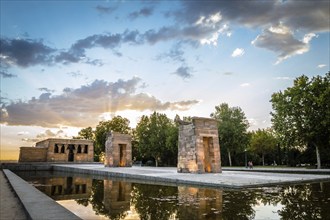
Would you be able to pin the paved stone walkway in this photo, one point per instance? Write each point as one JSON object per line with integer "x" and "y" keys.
{"x": 228, "y": 178}
{"x": 10, "y": 206}
{"x": 38, "y": 206}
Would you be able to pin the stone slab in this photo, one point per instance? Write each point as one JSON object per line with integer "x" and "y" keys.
{"x": 36, "y": 204}
{"x": 226, "y": 179}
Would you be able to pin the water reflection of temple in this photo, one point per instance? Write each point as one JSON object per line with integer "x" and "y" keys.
{"x": 64, "y": 188}
{"x": 199, "y": 203}
{"x": 117, "y": 197}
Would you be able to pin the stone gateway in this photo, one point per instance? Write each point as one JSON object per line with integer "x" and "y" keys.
{"x": 118, "y": 150}
{"x": 199, "y": 148}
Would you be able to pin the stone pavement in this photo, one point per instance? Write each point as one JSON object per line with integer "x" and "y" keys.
{"x": 10, "y": 206}
{"x": 227, "y": 179}
{"x": 37, "y": 205}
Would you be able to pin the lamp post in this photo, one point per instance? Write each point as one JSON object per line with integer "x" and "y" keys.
{"x": 245, "y": 158}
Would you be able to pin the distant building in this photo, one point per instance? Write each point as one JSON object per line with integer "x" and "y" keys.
{"x": 58, "y": 150}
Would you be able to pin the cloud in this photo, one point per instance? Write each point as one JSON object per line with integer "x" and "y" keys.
{"x": 245, "y": 85}
{"x": 76, "y": 74}
{"x": 280, "y": 40}
{"x": 283, "y": 78}
{"x": 24, "y": 52}
{"x": 176, "y": 54}
{"x": 105, "y": 10}
{"x": 205, "y": 30}
{"x": 228, "y": 73}
{"x": 5, "y": 74}
{"x": 23, "y": 133}
{"x": 184, "y": 72}
{"x": 238, "y": 52}
{"x": 77, "y": 51}
{"x": 46, "y": 134}
{"x": 46, "y": 90}
{"x": 144, "y": 12}
{"x": 82, "y": 107}
{"x": 294, "y": 14}
{"x": 321, "y": 66}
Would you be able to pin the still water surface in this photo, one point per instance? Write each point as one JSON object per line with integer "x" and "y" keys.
{"x": 94, "y": 197}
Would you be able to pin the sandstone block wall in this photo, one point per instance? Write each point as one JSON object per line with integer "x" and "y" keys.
{"x": 59, "y": 150}
{"x": 118, "y": 150}
{"x": 32, "y": 154}
{"x": 199, "y": 149}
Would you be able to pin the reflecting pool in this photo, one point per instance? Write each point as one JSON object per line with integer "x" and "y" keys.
{"x": 95, "y": 197}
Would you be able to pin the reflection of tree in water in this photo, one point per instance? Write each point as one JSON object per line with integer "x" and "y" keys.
{"x": 97, "y": 202}
{"x": 238, "y": 204}
{"x": 154, "y": 202}
{"x": 309, "y": 201}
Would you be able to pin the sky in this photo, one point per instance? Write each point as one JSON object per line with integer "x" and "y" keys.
{"x": 67, "y": 65}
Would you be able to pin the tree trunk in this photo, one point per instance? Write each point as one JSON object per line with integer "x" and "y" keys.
{"x": 318, "y": 158}
{"x": 229, "y": 157}
{"x": 263, "y": 159}
{"x": 156, "y": 161}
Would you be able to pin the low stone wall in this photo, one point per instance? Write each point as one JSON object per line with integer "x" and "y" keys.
{"x": 32, "y": 154}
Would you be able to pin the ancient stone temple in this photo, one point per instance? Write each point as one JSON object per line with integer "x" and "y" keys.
{"x": 199, "y": 149}
{"x": 118, "y": 150}
{"x": 58, "y": 150}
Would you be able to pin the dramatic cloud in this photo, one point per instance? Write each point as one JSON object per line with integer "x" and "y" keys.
{"x": 238, "y": 52}
{"x": 280, "y": 40}
{"x": 81, "y": 107}
{"x": 205, "y": 30}
{"x": 144, "y": 12}
{"x": 311, "y": 16}
{"x": 214, "y": 17}
{"x": 24, "y": 52}
{"x": 184, "y": 72}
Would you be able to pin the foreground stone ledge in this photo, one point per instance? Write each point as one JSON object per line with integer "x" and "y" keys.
{"x": 36, "y": 204}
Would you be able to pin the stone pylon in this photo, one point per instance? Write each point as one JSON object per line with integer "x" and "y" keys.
{"x": 199, "y": 148}
{"x": 118, "y": 150}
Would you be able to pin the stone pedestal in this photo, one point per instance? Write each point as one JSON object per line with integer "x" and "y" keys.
{"x": 199, "y": 149}
{"x": 118, "y": 150}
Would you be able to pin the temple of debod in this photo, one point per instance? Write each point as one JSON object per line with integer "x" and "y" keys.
{"x": 198, "y": 148}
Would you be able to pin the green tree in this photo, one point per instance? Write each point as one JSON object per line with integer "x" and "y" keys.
{"x": 86, "y": 133}
{"x": 232, "y": 127}
{"x": 301, "y": 114}
{"x": 154, "y": 135}
{"x": 262, "y": 142}
{"x": 116, "y": 124}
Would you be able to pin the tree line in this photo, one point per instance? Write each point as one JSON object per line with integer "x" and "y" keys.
{"x": 300, "y": 132}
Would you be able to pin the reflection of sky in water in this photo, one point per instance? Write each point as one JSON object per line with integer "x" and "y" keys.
{"x": 88, "y": 212}
{"x": 267, "y": 211}
{"x": 80, "y": 210}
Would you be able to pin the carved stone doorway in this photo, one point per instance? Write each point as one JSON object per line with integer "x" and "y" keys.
{"x": 71, "y": 148}
{"x": 122, "y": 154}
